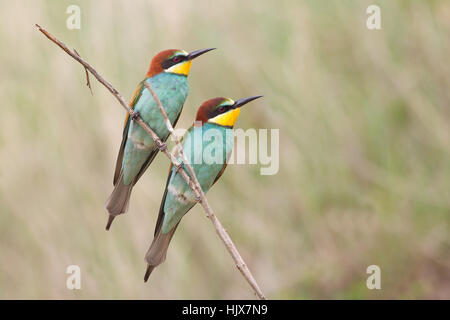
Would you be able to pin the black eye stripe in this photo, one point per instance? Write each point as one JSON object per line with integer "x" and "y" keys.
{"x": 170, "y": 62}
{"x": 218, "y": 111}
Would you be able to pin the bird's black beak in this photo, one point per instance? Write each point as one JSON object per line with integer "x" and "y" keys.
{"x": 239, "y": 103}
{"x": 194, "y": 54}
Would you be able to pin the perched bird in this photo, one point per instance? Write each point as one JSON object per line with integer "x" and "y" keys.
{"x": 207, "y": 146}
{"x": 168, "y": 78}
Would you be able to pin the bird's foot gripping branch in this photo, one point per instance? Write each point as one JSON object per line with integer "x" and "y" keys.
{"x": 135, "y": 115}
{"x": 193, "y": 182}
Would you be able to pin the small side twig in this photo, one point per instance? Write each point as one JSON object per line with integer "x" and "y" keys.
{"x": 192, "y": 182}
{"x": 88, "y": 83}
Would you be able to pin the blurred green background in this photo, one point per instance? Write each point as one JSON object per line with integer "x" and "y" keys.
{"x": 364, "y": 149}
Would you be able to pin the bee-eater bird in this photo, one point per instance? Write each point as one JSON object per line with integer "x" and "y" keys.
{"x": 212, "y": 130}
{"x": 167, "y": 76}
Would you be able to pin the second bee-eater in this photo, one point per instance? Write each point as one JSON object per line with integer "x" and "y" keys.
{"x": 207, "y": 146}
{"x": 168, "y": 78}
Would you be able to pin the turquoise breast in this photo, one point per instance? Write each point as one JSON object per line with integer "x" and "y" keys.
{"x": 207, "y": 148}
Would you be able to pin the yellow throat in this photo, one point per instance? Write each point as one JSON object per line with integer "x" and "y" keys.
{"x": 181, "y": 68}
{"x": 227, "y": 119}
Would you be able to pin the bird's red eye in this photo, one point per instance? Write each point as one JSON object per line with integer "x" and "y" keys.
{"x": 221, "y": 109}
{"x": 176, "y": 59}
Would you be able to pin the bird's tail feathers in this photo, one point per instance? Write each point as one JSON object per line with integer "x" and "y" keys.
{"x": 158, "y": 250}
{"x": 118, "y": 201}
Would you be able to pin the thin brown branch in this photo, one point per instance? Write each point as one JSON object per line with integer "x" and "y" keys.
{"x": 193, "y": 183}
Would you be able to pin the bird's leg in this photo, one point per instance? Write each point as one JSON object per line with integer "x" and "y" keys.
{"x": 178, "y": 166}
{"x": 162, "y": 146}
{"x": 134, "y": 115}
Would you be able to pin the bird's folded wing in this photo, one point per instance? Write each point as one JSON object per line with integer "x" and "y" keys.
{"x": 163, "y": 201}
{"x": 137, "y": 94}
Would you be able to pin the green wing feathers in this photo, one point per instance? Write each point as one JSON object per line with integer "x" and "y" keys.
{"x": 134, "y": 99}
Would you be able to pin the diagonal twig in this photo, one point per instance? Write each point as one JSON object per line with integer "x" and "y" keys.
{"x": 192, "y": 182}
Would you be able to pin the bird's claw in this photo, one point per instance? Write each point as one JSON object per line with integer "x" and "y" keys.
{"x": 134, "y": 115}
{"x": 178, "y": 167}
{"x": 162, "y": 146}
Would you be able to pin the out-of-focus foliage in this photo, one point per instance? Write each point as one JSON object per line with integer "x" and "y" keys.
{"x": 364, "y": 149}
